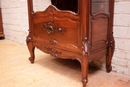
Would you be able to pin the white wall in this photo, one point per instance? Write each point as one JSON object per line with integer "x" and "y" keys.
{"x": 15, "y": 24}
{"x": 121, "y": 59}
{"x": 41, "y": 5}
{"x": 15, "y": 18}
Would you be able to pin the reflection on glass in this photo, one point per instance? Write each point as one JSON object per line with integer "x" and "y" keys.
{"x": 68, "y": 5}
{"x": 100, "y": 6}
{"x": 40, "y": 5}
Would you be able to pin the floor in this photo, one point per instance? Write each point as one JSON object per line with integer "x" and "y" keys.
{"x": 17, "y": 71}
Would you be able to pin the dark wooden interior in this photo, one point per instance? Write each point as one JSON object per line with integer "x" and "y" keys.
{"x": 70, "y": 5}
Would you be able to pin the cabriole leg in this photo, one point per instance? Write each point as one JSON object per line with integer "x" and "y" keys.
{"x": 110, "y": 52}
{"x": 108, "y": 60}
{"x": 84, "y": 67}
{"x": 31, "y": 49}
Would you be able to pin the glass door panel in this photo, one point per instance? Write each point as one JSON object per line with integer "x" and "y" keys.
{"x": 70, "y": 5}
{"x": 100, "y": 6}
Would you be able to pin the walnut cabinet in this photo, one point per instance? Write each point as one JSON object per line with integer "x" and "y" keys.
{"x": 1, "y": 26}
{"x": 73, "y": 29}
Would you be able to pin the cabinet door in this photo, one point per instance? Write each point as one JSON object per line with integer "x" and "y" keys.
{"x": 99, "y": 24}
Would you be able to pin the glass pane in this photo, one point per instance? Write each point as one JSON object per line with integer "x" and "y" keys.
{"x": 40, "y": 5}
{"x": 68, "y": 5}
{"x": 71, "y": 5}
{"x": 100, "y": 6}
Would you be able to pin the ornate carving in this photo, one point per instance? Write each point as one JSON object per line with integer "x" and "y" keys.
{"x": 85, "y": 46}
{"x": 52, "y": 41}
{"x": 28, "y": 39}
{"x": 53, "y": 52}
{"x": 50, "y": 28}
{"x": 112, "y": 43}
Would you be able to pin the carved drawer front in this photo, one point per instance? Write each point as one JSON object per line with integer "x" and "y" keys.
{"x": 59, "y": 32}
{"x": 56, "y": 52}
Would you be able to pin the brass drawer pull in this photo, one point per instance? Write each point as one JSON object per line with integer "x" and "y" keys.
{"x": 50, "y": 28}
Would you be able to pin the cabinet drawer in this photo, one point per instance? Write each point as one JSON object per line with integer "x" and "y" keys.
{"x": 56, "y": 52}
{"x": 58, "y": 32}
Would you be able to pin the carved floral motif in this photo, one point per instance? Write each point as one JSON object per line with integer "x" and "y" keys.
{"x": 53, "y": 52}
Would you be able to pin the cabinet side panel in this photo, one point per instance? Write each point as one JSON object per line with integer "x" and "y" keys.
{"x": 99, "y": 32}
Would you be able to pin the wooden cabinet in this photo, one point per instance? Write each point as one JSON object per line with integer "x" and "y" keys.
{"x": 73, "y": 29}
{"x": 1, "y": 26}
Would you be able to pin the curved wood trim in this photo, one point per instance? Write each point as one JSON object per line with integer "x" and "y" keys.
{"x": 52, "y": 9}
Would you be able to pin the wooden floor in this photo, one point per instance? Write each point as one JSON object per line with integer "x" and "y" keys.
{"x": 17, "y": 71}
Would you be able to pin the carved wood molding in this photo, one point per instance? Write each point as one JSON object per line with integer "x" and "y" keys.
{"x": 53, "y": 13}
{"x": 28, "y": 39}
{"x": 112, "y": 43}
{"x": 85, "y": 43}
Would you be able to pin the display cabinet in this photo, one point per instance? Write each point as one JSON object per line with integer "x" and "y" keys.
{"x": 1, "y": 26}
{"x": 73, "y": 29}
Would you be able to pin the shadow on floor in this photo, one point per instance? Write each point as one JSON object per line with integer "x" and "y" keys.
{"x": 67, "y": 67}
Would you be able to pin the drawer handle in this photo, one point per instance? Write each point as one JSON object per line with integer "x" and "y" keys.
{"x": 50, "y": 28}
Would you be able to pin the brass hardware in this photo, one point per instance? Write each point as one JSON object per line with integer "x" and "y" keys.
{"x": 50, "y": 28}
